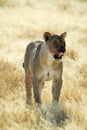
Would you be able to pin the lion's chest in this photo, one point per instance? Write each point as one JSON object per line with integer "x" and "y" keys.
{"x": 48, "y": 74}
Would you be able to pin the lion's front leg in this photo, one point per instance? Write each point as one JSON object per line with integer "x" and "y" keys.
{"x": 37, "y": 89}
{"x": 56, "y": 89}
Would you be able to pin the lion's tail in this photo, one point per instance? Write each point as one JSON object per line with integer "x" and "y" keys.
{"x": 23, "y": 65}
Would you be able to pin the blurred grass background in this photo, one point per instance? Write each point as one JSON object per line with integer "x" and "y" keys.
{"x": 22, "y": 21}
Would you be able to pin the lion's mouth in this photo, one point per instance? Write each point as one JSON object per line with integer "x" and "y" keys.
{"x": 58, "y": 57}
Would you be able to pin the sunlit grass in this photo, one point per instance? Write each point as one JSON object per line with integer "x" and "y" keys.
{"x": 21, "y": 22}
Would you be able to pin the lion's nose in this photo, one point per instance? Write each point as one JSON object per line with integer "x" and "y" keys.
{"x": 62, "y": 49}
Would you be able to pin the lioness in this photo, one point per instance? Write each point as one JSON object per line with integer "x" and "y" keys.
{"x": 43, "y": 62}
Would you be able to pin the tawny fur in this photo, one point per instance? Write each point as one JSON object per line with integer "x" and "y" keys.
{"x": 42, "y": 62}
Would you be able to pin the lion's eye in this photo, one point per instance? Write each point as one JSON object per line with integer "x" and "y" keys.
{"x": 55, "y": 43}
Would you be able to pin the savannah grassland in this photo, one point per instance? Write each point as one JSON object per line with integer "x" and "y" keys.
{"x": 22, "y": 21}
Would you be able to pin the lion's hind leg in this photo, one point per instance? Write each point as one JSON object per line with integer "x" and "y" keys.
{"x": 28, "y": 84}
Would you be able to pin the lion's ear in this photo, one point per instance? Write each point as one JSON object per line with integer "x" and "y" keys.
{"x": 47, "y": 36}
{"x": 63, "y": 35}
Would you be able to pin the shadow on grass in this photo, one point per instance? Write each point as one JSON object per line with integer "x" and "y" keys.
{"x": 56, "y": 114}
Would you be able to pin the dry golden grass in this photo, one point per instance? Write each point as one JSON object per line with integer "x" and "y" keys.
{"x": 71, "y": 54}
{"x": 21, "y": 22}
